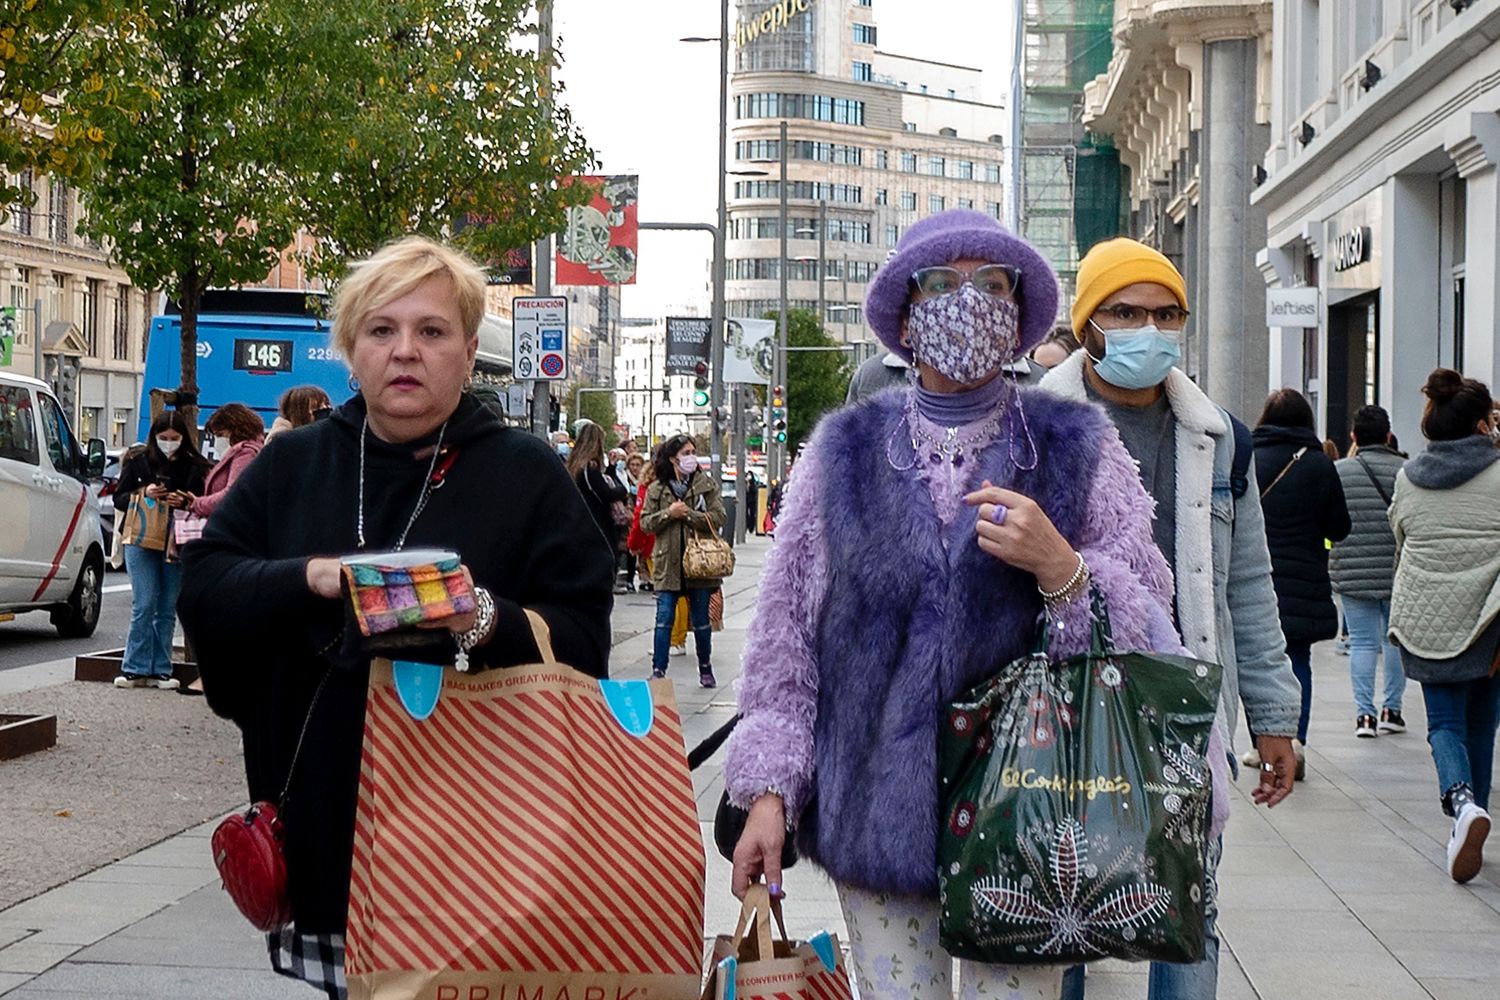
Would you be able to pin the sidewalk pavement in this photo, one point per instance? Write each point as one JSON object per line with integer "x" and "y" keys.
{"x": 1338, "y": 893}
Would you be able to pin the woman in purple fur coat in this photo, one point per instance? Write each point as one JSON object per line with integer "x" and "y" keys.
{"x": 928, "y": 529}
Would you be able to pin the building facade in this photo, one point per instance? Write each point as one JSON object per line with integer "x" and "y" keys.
{"x": 92, "y": 322}
{"x": 875, "y": 140}
{"x": 1382, "y": 191}
{"x": 653, "y": 404}
{"x": 1187, "y": 102}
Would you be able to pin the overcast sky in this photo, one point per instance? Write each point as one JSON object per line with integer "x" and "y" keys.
{"x": 647, "y": 104}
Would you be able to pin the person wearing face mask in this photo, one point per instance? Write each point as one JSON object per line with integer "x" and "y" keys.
{"x": 682, "y": 498}
{"x": 925, "y": 532}
{"x": 239, "y": 435}
{"x": 1195, "y": 461}
{"x": 170, "y": 470}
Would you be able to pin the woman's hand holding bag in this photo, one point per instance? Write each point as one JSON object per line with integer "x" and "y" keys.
{"x": 758, "y": 851}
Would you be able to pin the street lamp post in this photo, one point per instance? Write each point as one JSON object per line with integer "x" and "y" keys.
{"x": 781, "y": 332}
{"x": 822, "y": 253}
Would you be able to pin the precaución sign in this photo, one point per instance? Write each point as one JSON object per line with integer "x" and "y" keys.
{"x": 540, "y": 349}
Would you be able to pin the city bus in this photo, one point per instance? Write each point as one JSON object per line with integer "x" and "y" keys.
{"x": 254, "y": 344}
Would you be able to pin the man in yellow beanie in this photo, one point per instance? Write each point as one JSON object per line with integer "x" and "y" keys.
{"x": 1128, "y": 314}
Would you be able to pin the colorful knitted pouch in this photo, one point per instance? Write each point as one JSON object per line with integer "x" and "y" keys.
{"x": 399, "y": 590}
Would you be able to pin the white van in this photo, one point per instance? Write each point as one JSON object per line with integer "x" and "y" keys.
{"x": 51, "y": 549}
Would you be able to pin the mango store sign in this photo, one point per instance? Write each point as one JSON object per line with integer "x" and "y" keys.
{"x": 770, "y": 20}
{"x": 1292, "y": 307}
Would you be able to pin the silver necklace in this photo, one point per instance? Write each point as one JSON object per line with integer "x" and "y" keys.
{"x": 954, "y": 447}
{"x": 359, "y": 524}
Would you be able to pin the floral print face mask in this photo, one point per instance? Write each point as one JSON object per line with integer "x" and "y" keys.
{"x": 965, "y": 335}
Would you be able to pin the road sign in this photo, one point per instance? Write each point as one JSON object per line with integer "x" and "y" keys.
{"x": 540, "y": 349}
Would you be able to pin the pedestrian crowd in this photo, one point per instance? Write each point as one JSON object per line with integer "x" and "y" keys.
{"x": 1003, "y": 507}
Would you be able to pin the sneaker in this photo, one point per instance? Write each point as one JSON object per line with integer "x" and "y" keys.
{"x": 132, "y": 681}
{"x": 1364, "y": 727}
{"x": 168, "y": 683}
{"x": 1391, "y": 721}
{"x": 1466, "y": 846}
{"x": 1250, "y": 758}
{"x": 1300, "y": 749}
{"x": 1341, "y": 645}
{"x": 706, "y": 677}
{"x": 622, "y": 588}
{"x": 679, "y": 650}
{"x": 657, "y": 675}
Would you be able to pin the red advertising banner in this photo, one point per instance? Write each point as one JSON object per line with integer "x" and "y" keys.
{"x": 598, "y": 243}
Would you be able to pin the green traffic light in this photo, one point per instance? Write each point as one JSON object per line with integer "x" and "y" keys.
{"x": 781, "y": 437}
{"x": 700, "y": 398}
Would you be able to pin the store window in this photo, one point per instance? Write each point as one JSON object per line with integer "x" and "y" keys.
{"x": 89, "y": 421}
{"x": 117, "y": 429}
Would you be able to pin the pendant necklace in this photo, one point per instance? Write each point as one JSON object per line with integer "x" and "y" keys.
{"x": 422, "y": 498}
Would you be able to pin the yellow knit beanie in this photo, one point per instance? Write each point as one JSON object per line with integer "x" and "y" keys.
{"x": 1116, "y": 264}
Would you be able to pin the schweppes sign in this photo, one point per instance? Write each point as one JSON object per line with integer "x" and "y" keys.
{"x": 770, "y": 20}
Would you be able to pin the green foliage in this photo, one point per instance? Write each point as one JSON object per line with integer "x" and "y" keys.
{"x": 598, "y": 407}
{"x": 59, "y": 47}
{"x": 435, "y": 117}
{"x": 816, "y": 381}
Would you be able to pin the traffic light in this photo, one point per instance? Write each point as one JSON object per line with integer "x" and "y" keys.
{"x": 778, "y": 414}
{"x": 700, "y": 384}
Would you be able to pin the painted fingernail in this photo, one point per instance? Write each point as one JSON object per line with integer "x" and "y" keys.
{"x": 775, "y": 890}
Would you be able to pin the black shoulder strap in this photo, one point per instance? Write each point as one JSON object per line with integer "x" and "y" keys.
{"x": 1244, "y": 452}
{"x": 1375, "y": 482}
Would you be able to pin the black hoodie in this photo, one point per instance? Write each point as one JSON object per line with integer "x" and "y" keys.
{"x": 506, "y": 505}
{"x": 1304, "y": 511}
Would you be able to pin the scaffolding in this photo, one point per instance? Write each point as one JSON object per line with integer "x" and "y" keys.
{"x": 1070, "y": 180}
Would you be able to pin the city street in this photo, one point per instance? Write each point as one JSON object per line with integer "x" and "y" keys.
{"x": 32, "y": 639}
{"x": 1338, "y": 893}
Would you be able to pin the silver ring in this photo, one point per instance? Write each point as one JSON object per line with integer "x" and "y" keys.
{"x": 1268, "y": 767}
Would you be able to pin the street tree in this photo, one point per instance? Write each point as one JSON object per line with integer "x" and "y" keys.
{"x": 191, "y": 195}
{"x": 596, "y": 406}
{"x": 437, "y": 121}
{"x": 816, "y": 380}
{"x": 55, "y": 48}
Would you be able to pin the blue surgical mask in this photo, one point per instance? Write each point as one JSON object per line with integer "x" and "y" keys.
{"x": 1138, "y": 358}
{"x": 563, "y": 449}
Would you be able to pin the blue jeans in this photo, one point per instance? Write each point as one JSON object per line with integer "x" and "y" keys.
{"x": 154, "y": 584}
{"x": 1170, "y": 980}
{"x": 1461, "y": 721}
{"x": 1368, "y": 621}
{"x": 666, "y": 610}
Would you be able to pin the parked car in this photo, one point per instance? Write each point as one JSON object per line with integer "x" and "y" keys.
{"x": 103, "y": 490}
{"x": 51, "y": 547}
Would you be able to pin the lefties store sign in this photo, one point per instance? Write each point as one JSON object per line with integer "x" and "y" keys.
{"x": 770, "y": 20}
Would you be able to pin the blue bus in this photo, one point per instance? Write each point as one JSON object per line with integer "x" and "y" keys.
{"x": 254, "y": 344}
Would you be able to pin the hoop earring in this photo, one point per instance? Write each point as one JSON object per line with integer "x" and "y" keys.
{"x": 353, "y": 383}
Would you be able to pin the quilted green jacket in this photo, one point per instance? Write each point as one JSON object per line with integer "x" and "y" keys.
{"x": 1447, "y": 586}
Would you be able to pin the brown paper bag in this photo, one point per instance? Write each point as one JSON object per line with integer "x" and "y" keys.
{"x": 751, "y": 965}
{"x": 526, "y": 841}
{"x": 146, "y": 523}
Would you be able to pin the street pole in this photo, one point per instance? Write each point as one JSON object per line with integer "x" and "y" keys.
{"x": 716, "y": 315}
{"x": 36, "y": 340}
{"x": 741, "y": 464}
{"x": 541, "y": 392}
{"x": 822, "y": 258}
{"x": 1018, "y": 53}
{"x": 780, "y": 365}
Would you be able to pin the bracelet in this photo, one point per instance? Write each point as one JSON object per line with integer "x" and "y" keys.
{"x": 1070, "y": 589}
{"x": 484, "y": 623}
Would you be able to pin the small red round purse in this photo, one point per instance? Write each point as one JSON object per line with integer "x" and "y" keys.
{"x": 248, "y": 854}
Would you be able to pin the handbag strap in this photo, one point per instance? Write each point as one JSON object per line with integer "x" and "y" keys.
{"x": 1375, "y": 482}
{"x": 301, "y": 739}
{"x": 1284, "y": 470}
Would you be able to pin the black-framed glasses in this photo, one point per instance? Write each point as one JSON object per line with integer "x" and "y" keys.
{"x": 1126, "y": 314}
{"x": 999, "y": 280}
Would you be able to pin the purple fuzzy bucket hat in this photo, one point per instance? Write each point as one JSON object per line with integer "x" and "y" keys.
{"x": 954, "y": 235}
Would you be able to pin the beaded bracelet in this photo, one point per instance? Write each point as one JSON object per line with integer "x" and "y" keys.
{"x": 1070, "y": 589}
{"x": 484, "y": 623}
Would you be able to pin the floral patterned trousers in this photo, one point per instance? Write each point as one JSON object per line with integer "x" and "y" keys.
{"x": 893, "y": 941}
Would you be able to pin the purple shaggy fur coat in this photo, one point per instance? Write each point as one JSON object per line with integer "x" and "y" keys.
{"x": 867, "y": 625}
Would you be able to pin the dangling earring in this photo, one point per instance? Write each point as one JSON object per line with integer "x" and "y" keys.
{"x": 469, "y": 381}
{"x": 353, "y": 383}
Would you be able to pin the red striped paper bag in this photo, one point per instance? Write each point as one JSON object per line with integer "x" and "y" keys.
{"x": 521, "y": 843}
{"x": 751, "y": 965}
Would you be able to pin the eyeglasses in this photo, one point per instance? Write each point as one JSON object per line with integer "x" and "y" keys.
{"x": 1124, "y": 314}
{"x": 999, "y": 280}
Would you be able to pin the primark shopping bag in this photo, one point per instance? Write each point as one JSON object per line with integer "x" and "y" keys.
{"x": 1076, "y": 808}
{"x": 751, "y": 964}
{"x": 534, "y": 835}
